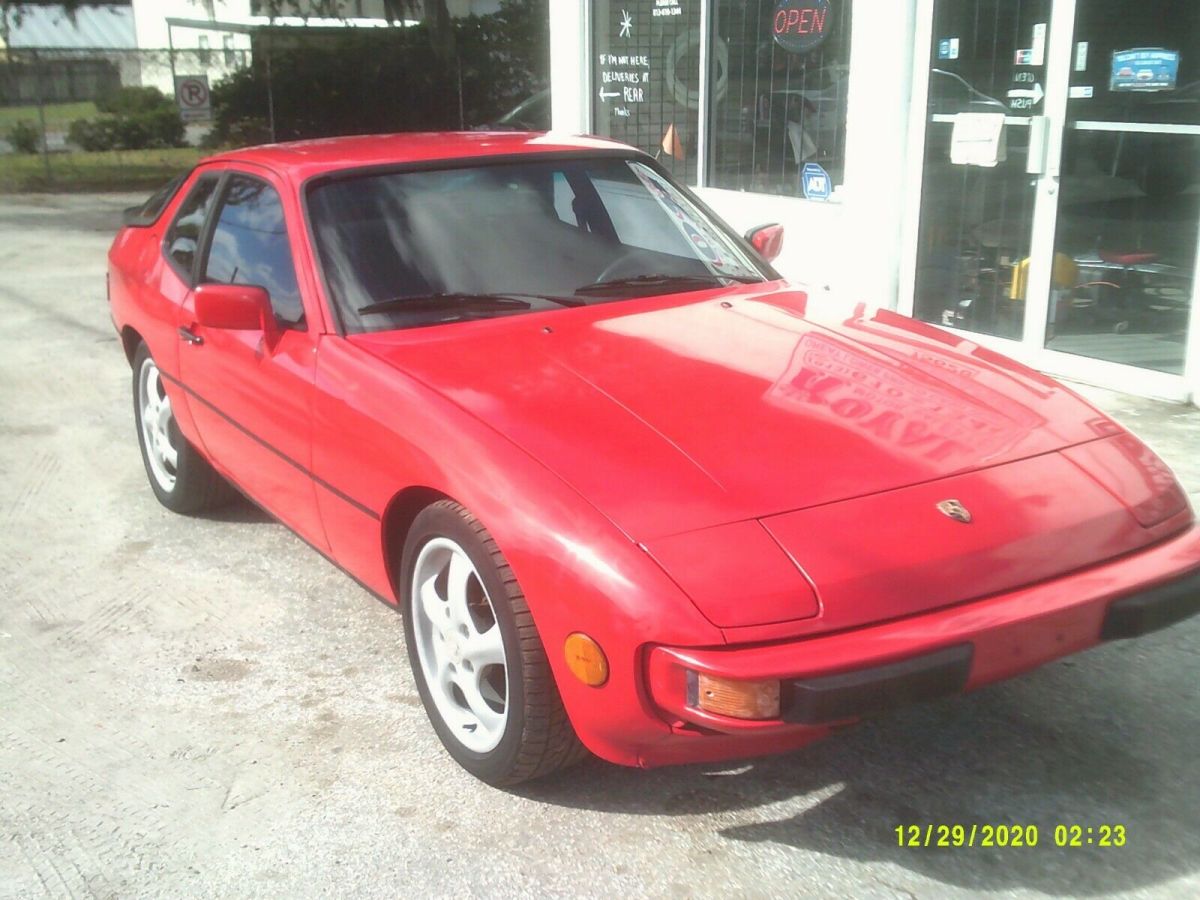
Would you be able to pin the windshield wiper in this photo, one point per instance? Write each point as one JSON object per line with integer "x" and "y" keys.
{"x": 664, "y": 280}
{"x": 484, "y": 301}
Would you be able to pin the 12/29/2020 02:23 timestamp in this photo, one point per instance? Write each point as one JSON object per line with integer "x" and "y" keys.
{"x": 989, "y": 835}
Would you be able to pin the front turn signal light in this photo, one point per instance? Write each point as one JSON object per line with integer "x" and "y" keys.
{"x": 585, "y": 659}
{"x": 733, "y": 697}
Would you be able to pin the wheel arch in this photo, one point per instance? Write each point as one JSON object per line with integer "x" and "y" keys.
{"x": 622, "y": 604}
{"x": 395, "y": 523}
{"x": 130, "y": 338}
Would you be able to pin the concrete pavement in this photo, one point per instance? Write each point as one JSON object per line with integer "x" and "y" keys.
{"x": 205, "y": 707}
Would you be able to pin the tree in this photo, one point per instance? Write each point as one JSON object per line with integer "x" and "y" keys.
{"x": 11, "y": 12}
{"x": 360, "y": 81}
{"x": 434, "y": 13}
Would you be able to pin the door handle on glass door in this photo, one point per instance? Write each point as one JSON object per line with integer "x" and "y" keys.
{"x": 1039, "y": 131}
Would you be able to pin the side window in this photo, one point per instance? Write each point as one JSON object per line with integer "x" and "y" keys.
{"x": 183, "y": 237}
{"x": 147, "y": 214}
{"x": 250, "y": 246}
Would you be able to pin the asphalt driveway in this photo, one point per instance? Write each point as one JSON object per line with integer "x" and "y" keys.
{"x": 205, "y": 707}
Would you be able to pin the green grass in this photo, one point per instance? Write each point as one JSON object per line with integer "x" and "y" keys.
{"x": 59, "y": 116}
{"x": 114, "y": 170}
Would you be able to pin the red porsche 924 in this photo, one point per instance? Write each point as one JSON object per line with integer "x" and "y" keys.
{"x": 631, "y": 491}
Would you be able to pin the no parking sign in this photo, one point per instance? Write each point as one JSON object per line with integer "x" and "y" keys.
{"x": 191, "y": 93}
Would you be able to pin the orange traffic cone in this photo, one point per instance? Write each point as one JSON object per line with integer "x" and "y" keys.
{"x": 671, "y": 144}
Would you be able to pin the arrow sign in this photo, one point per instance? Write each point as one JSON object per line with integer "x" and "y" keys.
{"x": 604, "y": 95}
{"x": 1035, "y": 94}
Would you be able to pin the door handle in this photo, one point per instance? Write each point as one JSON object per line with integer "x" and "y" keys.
{"x": 190, "y": 336}
{"x": 1039, "y": 133}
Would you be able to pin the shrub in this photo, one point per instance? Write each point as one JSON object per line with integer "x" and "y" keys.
{"x": 126, "y": 101}
{"x": 156, "y": 128}
{"x": 24, "y": 137}
{"x": 92, "y": 134}
{"x": 138, "y": 130}
{"x": 245, "y": 132}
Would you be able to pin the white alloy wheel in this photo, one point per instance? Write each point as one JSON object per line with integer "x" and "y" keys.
{"x": 459, "y": 645}
{"x": 162, "y": 456}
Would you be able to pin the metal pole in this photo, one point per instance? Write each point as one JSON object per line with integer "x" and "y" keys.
{"x": 703, "y": 101}
{"x": 41, "y": 104}
{"x": 270, "y": 92}
{"x": 462, "y": 118}
{"x": 171, "y": 56}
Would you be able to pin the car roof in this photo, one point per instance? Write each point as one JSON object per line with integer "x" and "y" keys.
{"x": 302, "y": 160}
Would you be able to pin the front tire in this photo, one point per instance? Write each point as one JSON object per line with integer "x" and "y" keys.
{"x": 476, "y": 656}
{"x": 180, "y": 477}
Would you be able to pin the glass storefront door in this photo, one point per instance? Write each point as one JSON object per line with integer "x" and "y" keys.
{"x": 1128, "y": 201}
{"x": 977, "y": 220}
{"x": 1074, "y": 234}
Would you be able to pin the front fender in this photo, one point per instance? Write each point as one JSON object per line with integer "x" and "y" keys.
{"x": 377, "y": 431}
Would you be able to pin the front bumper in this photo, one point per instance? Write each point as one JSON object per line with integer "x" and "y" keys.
{"x": 861, "y": 692}
{"x": 834, "y": 680}
{"x": 1152, "y": 609}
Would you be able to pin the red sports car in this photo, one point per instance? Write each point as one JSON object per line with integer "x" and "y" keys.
{"x": 631, "y": 491}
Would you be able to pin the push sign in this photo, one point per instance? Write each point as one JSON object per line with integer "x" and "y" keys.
{"x": 801, "y": 25}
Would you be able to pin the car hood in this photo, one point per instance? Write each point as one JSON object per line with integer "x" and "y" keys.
{"x": 671, "y": 414}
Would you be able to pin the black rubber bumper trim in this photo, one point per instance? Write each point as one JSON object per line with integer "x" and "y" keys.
{"x": 1153, "y": 609}
{"x": 851, "y": 695}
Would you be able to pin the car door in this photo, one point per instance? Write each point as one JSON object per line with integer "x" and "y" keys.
{"x": 168, "y": 284}
{"x": 250, "y": 393}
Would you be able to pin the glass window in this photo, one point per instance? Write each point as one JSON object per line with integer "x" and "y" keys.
{"x": 778, "y": 87}
{"x": 183, "y": 237}
{"x": 1136, "y": 62}
{"x": 646, "y": 75}
{"x": 419, "y": 248}
{"x": 976, "y": 233}
{"x": 531, "y": 114}
{"x": 250, "y": 246}
{"x": 148, "y": 213}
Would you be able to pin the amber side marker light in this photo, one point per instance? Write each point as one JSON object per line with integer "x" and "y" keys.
{"x": 733, "y": 697}
{"x": 585, "y": 659}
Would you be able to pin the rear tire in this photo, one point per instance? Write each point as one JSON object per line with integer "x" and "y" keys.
{"x": 476, "y": 656}
{"x": 180, "y": 477}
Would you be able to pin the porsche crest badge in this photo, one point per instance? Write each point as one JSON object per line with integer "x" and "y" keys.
{"x": 955, "y": 510}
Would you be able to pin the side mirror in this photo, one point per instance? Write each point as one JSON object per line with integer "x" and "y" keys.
{"x": 240, "y": 307}
{"x": 767, "y": 240}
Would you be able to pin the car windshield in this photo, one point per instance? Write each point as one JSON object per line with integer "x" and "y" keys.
{"x": 406, "y": 249}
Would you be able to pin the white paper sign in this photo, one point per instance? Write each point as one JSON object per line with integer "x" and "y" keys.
{"x": 1081, "y": 55}
{"x": 1039, "y": 44}
{"x": 978, "y": 140}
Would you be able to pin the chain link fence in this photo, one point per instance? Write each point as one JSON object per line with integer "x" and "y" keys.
{"x": 66, "y": 120}
{"x": 58, "y": 84}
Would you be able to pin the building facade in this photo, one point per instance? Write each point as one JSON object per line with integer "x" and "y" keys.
{"x": 213, "y": 52}
{"x": 1024, "y": 173}
{"x": 132, "y": 42}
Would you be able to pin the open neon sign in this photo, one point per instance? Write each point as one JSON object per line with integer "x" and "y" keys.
{"x": 801, "y": 25}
